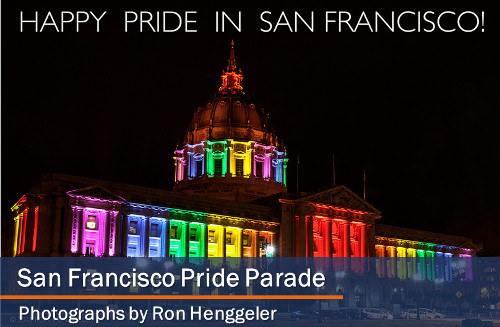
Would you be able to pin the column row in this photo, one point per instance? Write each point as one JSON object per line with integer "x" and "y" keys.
{"x": 336, "y": 237}
{"x": 160, "y": 237}
{"x": 230, "y": 158}
{"x": 419, "y": 264}
{"x": 93, "y": 231}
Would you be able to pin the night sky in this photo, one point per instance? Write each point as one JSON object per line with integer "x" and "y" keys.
{"x": 418, "y": 111}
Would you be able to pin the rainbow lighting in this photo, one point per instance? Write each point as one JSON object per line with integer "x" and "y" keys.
{"x": 417, "y": 260}
{"x": 229, "y": 200}
{"x": 239, "y": 159}
{"x": 230, "y": 140}
{"x": 185, "y": 233}
{"x": 94, "y": 222}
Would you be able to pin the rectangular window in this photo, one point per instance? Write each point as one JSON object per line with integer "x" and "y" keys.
{"x": 192, "y": 234}
{"x": 218, "y": 166}
{"x": 229, "y": 238}
{"x": 246, "y": 239}
{"x": 91, "y": 223}
{"x": 239, "y": 167}
{"x": 199, "y": 168}
{"x": 173, "y": 232}
{"x": 258, "y": 168}
{"x": 132, "y": 228}
{"x": 154, "y": 232}
{"x": 211, "y": 236}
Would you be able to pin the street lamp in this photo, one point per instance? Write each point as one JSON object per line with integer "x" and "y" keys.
{"x": 270, "y": 251}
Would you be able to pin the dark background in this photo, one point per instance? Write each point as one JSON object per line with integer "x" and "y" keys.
{"x": 417, "y": 111}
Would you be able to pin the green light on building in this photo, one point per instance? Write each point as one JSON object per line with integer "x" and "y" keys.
{"x": 196, "y": 236}
{"x": 177, "y": 232}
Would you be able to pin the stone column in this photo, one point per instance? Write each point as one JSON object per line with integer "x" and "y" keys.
{"x": 346, "y": 239}
{"x": 302, "y": 237}
{"x": 146, "y": 237}
{"x": 124, "y": 235}
{"x": 107, "y": 232}
{"x": 363, "y": 240}
{"x": 205, "y": 159}
{"x": 286, "y": 230}
{"x": 228, "y": 159}
{"x": 240, "y": 246}
{"x": 255, "y": 244}
{"x": 188, "y": 168}
{"x": 30, "y": 230}
{"x": 81, "y": 233}
{"x": 283, "y": 177}
{"x": 166, "y": 239}
{"x": 16, "y": 236}
{"x": 310, "y": 236}
{"x": 205, "y": 240}
{"x": 327, "y": 237}
{"x": 371, "y": 240}
{"x": 224, "y": 241}
{"x": 56, "y": 228}
{"x": 252, "y": 161}
{"x": 116, "y": 237}
{"x": 185, "y": 225}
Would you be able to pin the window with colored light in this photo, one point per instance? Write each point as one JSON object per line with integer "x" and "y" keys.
{"x": 157, "y": 232}
{"x": 229, "y": 237}
{"x": 259, "y": 166}
{"x": 134, "y": 239}
{"x": 216, "y": 241}
{"x": 193, "y": 233}
{"x": 218, "y": 167}
{"x": 199, "y": 168}
{"x": 233, "y": 242}
{"x": 154, "y": 230}
{"x": 248, "y": 239}
{"x": 178, "y": 246}
{"x": 196, "y": 239}
{"x": 173, "y": 232}
{"x": 94, "y": 232}
{"x": 239, "y": 167}
{"x": 211, "y": 236}
{"x": 132, "y": 228}
{"x": 91, "y": 223}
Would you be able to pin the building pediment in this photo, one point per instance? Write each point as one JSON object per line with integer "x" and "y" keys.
{"x": 96, "y": 192}
{"x": 341, "y": 197}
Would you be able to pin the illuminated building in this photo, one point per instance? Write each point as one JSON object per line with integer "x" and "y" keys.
{"x": 229, "y": 200}
{"x": 231, "y": 150}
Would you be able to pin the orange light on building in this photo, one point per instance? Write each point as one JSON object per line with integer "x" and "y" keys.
{"x": 35, "y": 231}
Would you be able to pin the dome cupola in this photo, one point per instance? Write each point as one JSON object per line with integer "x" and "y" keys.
{"x": 230, "y": 150}
{"x": 231, "y": 113}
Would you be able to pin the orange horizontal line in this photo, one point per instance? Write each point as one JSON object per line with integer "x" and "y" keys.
{"x": 171, "y": 297}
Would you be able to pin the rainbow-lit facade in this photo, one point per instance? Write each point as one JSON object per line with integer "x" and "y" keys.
{"x": 230, "y": 157}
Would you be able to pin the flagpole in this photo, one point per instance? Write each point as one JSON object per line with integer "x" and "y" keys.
{"x": 334, "y": 171}
{"x": 298, "y": 162}
{"x": 364, "y": 184}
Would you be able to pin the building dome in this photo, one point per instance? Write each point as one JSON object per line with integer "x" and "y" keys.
{"x": 231, "y": 114}
{"x": 230, "y": 150}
